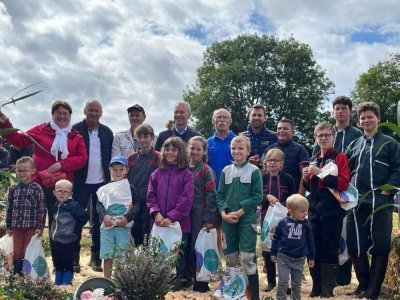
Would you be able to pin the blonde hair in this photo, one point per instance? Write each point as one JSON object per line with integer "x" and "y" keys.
{"x": 64, "y": 182}
{"x": 296, "y": 201}
{"x": 241, "y": 139}
{"x": 26, "y": 160}
{"x": 275, "y": 152}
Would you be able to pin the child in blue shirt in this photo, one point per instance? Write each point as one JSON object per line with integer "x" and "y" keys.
{"x": 293, "y": 241}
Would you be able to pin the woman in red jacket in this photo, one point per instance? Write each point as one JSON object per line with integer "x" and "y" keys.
{"x": 56, "y": 146}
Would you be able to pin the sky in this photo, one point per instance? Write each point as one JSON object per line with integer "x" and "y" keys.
{"x": 147, "y": 52}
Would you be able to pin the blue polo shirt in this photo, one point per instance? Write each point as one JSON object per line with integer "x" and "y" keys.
{"x": 219, "y": 153}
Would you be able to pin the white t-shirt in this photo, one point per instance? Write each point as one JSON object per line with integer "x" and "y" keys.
{"x": 95, "y": 168}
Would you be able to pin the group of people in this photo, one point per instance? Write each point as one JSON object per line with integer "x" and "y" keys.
{"x": 179, "y": 176}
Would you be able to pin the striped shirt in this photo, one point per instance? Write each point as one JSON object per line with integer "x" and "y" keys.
{"x": 26, "y": 206}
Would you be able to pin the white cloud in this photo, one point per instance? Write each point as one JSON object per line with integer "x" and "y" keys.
{"x": 138, "y": 51}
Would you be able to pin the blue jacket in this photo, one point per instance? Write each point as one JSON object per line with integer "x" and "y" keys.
{"x": 260, "y": 141}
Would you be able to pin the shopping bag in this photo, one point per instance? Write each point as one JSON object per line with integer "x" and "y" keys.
{"x": 274, "y": 214}
{"x": 207, "y": 255}
{"x": 35, "y": 260}
{"x": 6, "y": 246}
{"x": 233, "y": 286}
{"x": 168, "y": 238}
{"x": 343, "y": 251}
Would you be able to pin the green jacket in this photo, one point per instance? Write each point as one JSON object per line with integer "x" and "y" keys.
{"x": 384, "y": 153}
{"x": 240, "y": 187}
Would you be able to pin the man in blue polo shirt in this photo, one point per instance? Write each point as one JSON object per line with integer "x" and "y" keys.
{"x": 260, "y": 137}
{"x": 219, "y": 153}
{"x": 296, "y": 156}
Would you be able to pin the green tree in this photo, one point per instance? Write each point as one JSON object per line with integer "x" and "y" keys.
{"x": 381, "y": 84}
{"x": 251, "y": 69}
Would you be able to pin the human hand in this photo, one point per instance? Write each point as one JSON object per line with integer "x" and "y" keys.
{"x": 158, "y": 219}
{"x": 208, "y": 226}
{"x": 255, "y": 160}
{"x": 54, "y": 167}
{"x": 122, "y": 221}
{"x": 229, "y": 218}
{"x": 166, "y": 222}
{"x": 39, "y": 232}
{"x": 107, "y": 220}
{"x": 3, "y": 117}
{"x": 313, "y": 170}
{"x": 273, "y": 258}
{"x": 272, "y": 199}
{"x": 9, "y": 232}
{"x": 311, "y": 263}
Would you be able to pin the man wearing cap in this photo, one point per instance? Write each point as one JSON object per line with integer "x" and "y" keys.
{"x": 98, "y": 140}
{"x": 182, "y": 113}
{"x": 125, "y": 142}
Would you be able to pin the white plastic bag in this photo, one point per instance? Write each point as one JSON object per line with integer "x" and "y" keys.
{"x": 6, "y": 245}
{"x": 343, "y": 252}
{"x": 168, "y": 237}
{"x": 233, "y": 286}
{"x": 207, "y": 255}
{"x": 35, "y": 260}
{"x": 274, "y": 215}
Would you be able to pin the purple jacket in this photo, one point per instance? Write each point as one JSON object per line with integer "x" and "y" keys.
{"x": 170, "y": 192}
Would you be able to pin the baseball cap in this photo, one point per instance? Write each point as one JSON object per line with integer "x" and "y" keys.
{"x": 136, "y": 106}
{"x": 119, "y": 160}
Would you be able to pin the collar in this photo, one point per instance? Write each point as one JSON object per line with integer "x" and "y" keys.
{"x": 180, "y": 132}
{"x": 329, "y": 152}
{"x": 230, "y": 134}
{"x": 250, "y": 129}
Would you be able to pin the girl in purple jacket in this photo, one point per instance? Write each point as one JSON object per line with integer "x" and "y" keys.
{"x": 170, "y": 196}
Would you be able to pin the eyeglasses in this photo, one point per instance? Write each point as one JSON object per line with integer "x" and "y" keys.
{"x": 323, "y": 136}
{"x": 61, "y": 114}
{"x": 222, "y": 117}
{"x": 271, "y": 160}
{"x": 62, "y": 192}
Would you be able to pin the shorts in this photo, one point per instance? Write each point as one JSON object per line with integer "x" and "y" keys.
{"x": 114, "y": 241}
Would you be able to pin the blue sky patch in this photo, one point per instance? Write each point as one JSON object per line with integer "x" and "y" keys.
{"x": 371, "y": 37}
{"x": 260, "y": 21}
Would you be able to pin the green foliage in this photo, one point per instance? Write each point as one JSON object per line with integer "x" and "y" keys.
{"x": 381, "y": 84}
{"x": 144, "y": 273}
{"x": 251, "y": 69}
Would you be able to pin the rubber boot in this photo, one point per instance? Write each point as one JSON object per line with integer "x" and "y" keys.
{"x": 328, "y": 280}
{"x": 18, "y": 266}
{"x": 270, "y": 269}
{"x": 67, "y": 277}
{"x": 200, "y": 286}
{"x": 361, "y": 268}
{"x": 95, "y": 261}
{"x": 254, "y": 287}
{"x": 77, "y": 267}
{"x": 316, "y": 279}
{"x": 344, "y": 274}
{"x": 377, "y": 275}
{"x": 58, "y": 277}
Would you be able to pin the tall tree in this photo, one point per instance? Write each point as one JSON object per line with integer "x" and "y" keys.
{"x": 381, "y": 84}
{"x": 252, "y": 69}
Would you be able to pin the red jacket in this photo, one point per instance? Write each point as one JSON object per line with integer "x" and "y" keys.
{"x": 44, "y": 135}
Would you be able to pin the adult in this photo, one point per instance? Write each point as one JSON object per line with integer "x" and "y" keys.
{"x": 4, "y": 155}
{"x": 374, "y": 160}
{"x": 296, "y": 156}
{"x": 56, "y": 147}
{"x": 182, "y": 113}
{"x": 125, "y": 142}
{"x": 98, "y": 140}
{"x": 260, "y": 137}
{"x": 219, "y": 151}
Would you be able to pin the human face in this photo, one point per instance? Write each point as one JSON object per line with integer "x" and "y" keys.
{"x": 62, "y": 192}
{"x": 118, "y": 171}
{"x": 196, "y": 151}
{"x": 181, "y": 116}
{"x": 273, "y": 164}
{"x": 61, "y": 117}
{"x": 136, "y": 118}
{"x": 221, "y": 121}
{"x": 171, "y": 154}
{"x": 144, "y": 141}
{"x": 257, "y": 118}
{"x": 239, "y": 151}
{"x": 299, "y": 214}
{"x": 368, "y": 121}
{"x": 284, "y": 132}
{"x": 342, "y": 113}
{"x": 93, "y": 112}
{"x": 24, "y": 172}
{"x": 324, "y": 139}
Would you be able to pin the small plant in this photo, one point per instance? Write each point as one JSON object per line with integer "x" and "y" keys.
{"x": 144, "y": 272}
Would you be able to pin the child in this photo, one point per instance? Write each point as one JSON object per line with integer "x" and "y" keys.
{"x": 277, "y": 186}
{"x": 326, "y": 214}
{"x": 170, "y": 197}
{"x": 292, "y": 242}
{"x": 239, "y": 193}
{"x": 68, "y": 219}
{"x": 26, "y": 210}
{"x": 117, "y": 207}
{"x": 141, "y": 164}
{"x": 204, "y": 202}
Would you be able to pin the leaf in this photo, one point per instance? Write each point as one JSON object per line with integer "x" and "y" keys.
{"x": 5, "y": 131}
{"x": 12, "y": 100}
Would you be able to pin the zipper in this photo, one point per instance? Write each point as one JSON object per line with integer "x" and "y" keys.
{"x": 56, "y": 221}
